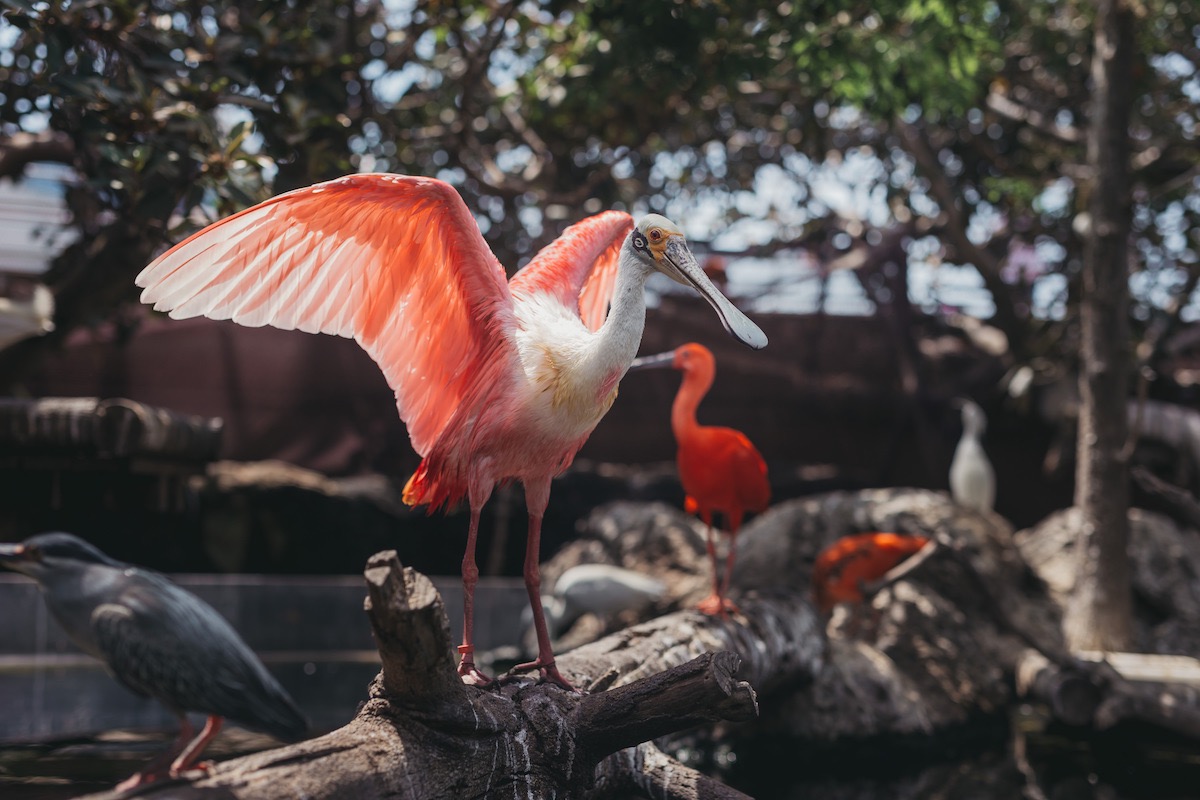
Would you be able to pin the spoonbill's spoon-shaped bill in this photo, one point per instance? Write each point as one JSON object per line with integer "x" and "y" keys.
{"x": 680, "y": 265}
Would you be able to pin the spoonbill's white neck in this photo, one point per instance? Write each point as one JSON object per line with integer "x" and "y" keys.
{"x": 619, "y": 337}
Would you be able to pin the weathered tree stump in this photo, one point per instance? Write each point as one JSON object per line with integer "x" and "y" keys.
{"x": 424, "y": 734}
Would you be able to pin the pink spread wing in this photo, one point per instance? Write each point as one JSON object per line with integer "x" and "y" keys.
{"x": 395, "y": 262}
{"x": 579, "y": 267}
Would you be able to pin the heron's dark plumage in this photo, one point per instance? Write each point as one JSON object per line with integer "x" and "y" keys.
{"x": 67, "y": 547}
{"x": 162, "y": 641}
{"x": 157, "y": 638}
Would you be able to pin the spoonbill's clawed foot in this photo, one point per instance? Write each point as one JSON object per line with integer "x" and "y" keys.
{"x": 549, "y": 673}
{"x": 716, "y": 606}
{"x": 467, "y": 670}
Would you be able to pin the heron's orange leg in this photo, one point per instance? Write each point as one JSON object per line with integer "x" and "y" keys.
{"x": 186, "y": 759}
{"x": 157, "y": 770}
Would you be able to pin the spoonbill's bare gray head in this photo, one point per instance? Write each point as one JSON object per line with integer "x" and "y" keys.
{"x": 661, "y": 241}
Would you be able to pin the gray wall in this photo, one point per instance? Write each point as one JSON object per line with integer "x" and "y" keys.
{"x": 311, "y": 632}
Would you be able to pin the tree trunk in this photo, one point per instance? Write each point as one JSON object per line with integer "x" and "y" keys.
{"x": 1099, "y": 615}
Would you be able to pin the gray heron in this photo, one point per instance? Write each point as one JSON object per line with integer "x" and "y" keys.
{"x": 159, "y": 641}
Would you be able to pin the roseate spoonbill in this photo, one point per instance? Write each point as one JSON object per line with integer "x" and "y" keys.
{"x": 719, "y": 468}
{"x": 600, "y": 589}
{"x": 158, "y": 640}
{"x": 972, "y": 480}
{"x": 844, "y": 567}
{"x": 497, "y": 380}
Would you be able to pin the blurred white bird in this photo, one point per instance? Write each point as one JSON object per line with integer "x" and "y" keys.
{"x": 600, "y": 589}
{"x": 972, "y": 479}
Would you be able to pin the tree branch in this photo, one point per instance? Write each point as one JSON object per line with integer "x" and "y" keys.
{"x": 412, "y": 633}
{"x": 701, "y": 691}
{"x": 1010, "y": 109}
{"x": 1180, "y": 503}
{"x": 21, "y": 149}
{"x": 649, "y": 772}
{"x": 989, "y": 266}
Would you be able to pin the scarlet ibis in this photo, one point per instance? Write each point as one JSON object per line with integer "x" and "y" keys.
{"x": 496, "y": 380}
{"x": 600, "y": 589}
{"x": 158, "y": 640}
{"x": 721, "y": 471}
{"x": 972, "y": 479}
{"x": 844, "y": 567}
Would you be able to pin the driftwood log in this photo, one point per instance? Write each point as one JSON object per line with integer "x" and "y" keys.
{"x": 423, "y": 734}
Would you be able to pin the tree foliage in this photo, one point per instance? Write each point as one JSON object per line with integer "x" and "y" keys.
{"x": 154, "y": 107}
{"x": 958, "y": 125}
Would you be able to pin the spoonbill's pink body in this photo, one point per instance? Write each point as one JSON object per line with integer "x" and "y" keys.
{"x": 496, "y": 379}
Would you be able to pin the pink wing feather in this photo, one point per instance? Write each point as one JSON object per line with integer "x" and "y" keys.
{"x": 579, "y": 267}
{"x": 395, "y": 262}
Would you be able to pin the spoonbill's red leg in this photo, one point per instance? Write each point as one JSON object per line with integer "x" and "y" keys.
{"x": 537, "y": 495}
{"x": 470, "y": 577}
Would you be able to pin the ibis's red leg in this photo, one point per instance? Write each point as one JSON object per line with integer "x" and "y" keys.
{"x": 735, "y": 522}
{"x": 536, "y": 498}
{"x": 156, "y": 770}
{"x": 186, "y": 759}
{"x": 713, "y": 603}
{"x": 470, "y": 577}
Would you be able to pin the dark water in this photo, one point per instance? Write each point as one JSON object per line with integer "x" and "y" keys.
{"x": 69, "y": 768}
{"x": 1021, "y": 758}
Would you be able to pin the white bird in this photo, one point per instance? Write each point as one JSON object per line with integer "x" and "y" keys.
{"x": 600, "y": 589}
{"x": 972, "y": 479}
